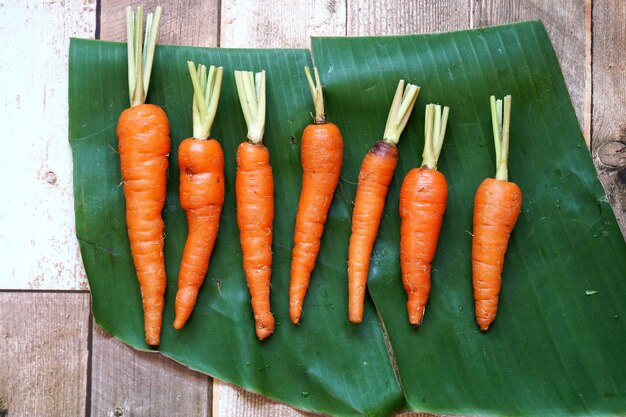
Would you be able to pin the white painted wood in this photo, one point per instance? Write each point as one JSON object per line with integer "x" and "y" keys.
{"x": 271, "y": 24}
{"x": 38, "y": 247}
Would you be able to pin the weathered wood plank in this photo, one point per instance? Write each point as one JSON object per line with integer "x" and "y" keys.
{"x": 609, "y": 101}
{"x": 126, "y": 382}
{"x": 43, "y": 353}
{"x": 393, "y": 17}
{"x": 565, "y": 22}
{"x": 192, "y": 23}
{"x": 33, "y": 103}
{"x": 232, "y": 401}
{"x": 270, "y": 24}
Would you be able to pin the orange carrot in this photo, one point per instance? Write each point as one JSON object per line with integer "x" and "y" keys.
{"x": 374, "y": 178}
{"x": 254, "y": 191}
{"x": 201, "y": 164}
{"x": 422, "y": 203}
{"x": 322, "y": 154}
{"x": 497, "y": 205}
{"x": 144, "y": 144}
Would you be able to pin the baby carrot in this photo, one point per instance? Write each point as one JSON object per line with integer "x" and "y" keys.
{"x": 374, "y": 178}
{"x": 254, "y": 191}
{"x": 322, "y": 154}
{"x": 422, "y": 203}
{"x": 497, "y": 205}
{"x": 201, "y": 163}
{"x": 144, "y": 144}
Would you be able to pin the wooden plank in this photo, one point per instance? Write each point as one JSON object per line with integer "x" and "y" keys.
{"x": 393, "y": 17}
{"x": 232, "y": 401}
{"x": 269, "y": 24}
{"x": 565, "y": 22}
{"x": 192, "y": 23}
{"x": 126, "y": 382}
{"x": 587, "y": 96}
{"x": 609, "y": 101}
{"x": 43, "y": 353}
{"x": 33, "y": 102}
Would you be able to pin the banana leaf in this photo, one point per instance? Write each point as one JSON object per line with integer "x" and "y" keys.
{"x": 557, "y": 344}
{"x": 325, "y": 365}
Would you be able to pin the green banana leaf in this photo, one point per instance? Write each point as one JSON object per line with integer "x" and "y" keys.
{"x": 324, "y": 365}
{"x": 557, "y": 344}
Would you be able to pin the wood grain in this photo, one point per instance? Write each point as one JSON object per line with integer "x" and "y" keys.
{"x": 43, "y": 353}
{"x": 143, "y": 384}
{"x": 38, "y": 218}
{"x": 232, "y": 401}
{"x": 392, "y": 17}
{"x": 192, "y": 23}
{"x": 565, "y": 22}
{"x": 609, "y": 101}
{"x": 272, "y": 24}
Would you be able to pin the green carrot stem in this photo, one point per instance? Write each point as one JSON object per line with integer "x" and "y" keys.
{"x": 501, "y": 122}
{"x": 205, "y": 97}
{"x": 251, "y": 91}
{"x": 434, "y": 132}
{"x": 401, "y": 107}
{"x": 140, "y": 60}
{"x": 316, "y": 92}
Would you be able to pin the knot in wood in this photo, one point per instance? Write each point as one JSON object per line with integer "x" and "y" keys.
{"x": 613, "y": 154}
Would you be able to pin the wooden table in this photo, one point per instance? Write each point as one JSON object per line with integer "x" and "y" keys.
{"x": 53, "y": 359}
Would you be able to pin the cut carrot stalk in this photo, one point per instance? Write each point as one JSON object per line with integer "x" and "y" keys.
{"x": 497, "y": 206}
{"x": 322, "y": 154}
{"x": 422, "y": 203}
{"x": 254, "y": 190}
{"x": 144, "y": 145}
{"x": 201, "y": 164}
{"x": 374, "y": 178}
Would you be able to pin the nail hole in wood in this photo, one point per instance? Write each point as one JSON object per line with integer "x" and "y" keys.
{"x": 50, "y": 177}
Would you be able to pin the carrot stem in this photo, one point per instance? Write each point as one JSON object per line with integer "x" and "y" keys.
{"x": 316, "y": 92}
{"x": 140, "y": 60}
{"x": 401, "y": 107}
{"x": 501, "y": 122}
{"x": 206, "y": 95}
{"x": 434, "y": 133}
{"x": 251, "y": 91}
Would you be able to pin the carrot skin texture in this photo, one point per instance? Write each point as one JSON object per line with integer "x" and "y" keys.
{"x": 144, "y": 145}
{"x": 374, "y": 179}
{"x": 322, "y": 155}
{"x": 254, "y": 189}
{"x": 201, "y": 164}
{"x": 497, "y": 206}
{"x": 422, "y": 203}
